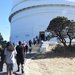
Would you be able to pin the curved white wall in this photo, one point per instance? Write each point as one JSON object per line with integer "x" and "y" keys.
{"x": 30, "y": 17}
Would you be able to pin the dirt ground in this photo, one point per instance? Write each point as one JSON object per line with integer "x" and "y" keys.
{"x": 50, "y": 66}
{"x": 53, "y": 66}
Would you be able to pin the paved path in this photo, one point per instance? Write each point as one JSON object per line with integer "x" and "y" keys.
{"x": 5, "y": 73}
{"x": 28, "y": 57}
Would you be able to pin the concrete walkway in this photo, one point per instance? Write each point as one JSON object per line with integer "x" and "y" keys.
{"x": 5, "y": 71}
{"x": 27, "y": 59}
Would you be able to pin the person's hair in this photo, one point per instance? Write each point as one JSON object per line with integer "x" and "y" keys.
{"x": 19, "y": 42}
{"x": 10, "y": 47}
{"x": 8, "y": 44}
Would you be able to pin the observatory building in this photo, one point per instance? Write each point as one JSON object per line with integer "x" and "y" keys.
{"x": 29, "y": 17}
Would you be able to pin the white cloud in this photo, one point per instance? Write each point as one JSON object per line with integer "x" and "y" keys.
{"x": 71, "y": 0}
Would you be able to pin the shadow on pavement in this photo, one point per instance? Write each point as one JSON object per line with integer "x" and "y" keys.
{"x": 30, "y": 55}
{"x": 17, "y": 74}
{"x": 3, "y": 73}
{"x": 55, "y": 54}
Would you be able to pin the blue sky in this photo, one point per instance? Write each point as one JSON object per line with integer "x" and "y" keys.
{"x": 5, "y": 8}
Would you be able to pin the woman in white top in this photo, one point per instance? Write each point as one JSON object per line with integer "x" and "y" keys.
{"x": 10, "y": 54}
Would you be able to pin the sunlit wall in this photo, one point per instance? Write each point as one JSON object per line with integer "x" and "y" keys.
{"x": 28, "y": 17}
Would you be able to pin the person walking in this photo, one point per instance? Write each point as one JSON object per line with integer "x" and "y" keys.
{"x": 30, "y": 46}
{"x": 1, "y": 58}
{"x": 26, "y": 48}
{"x": 10, "y": 54}
{"x": 20, "y": 56}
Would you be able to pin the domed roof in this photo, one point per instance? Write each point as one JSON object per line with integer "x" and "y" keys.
{"x": 16, "y": 2}
{"x": 23, "y": 4}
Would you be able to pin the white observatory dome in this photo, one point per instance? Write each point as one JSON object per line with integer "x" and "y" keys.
{"x": 29, "y": 17}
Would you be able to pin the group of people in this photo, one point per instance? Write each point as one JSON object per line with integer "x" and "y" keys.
{"x": 14, "y": 54}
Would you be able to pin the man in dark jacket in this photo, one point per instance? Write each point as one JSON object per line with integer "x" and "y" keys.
{"x": 20, "y": 56}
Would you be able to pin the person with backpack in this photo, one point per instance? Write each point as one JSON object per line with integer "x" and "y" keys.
{"x": 10, "y": 54}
